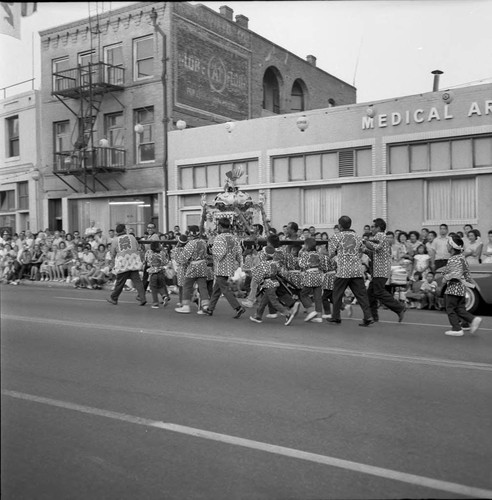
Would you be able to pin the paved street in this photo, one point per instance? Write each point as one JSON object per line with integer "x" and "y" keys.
{"x": 129, "y": 402}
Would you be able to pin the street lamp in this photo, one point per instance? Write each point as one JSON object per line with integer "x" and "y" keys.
{"x": 302, "y": 123}
{"x": 157, "y": 29}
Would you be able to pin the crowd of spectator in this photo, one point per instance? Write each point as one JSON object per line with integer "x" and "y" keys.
{"x": 84, "y": 259}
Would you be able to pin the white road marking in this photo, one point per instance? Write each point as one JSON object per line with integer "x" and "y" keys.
{"x": 108, "y": 329}
{"x": 394, "y": 475}
{"x": 347, "y": 319}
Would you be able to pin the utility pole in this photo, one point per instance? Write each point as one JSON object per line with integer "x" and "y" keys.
{"x": 165, "y": 119}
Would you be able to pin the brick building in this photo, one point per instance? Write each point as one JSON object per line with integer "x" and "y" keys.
{"x": 416, "y": 161}
{"x": 107, "y": 100}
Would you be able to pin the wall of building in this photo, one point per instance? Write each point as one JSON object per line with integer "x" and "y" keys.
{"x": 21, "y": 168}
{"x": 437, "y": 121}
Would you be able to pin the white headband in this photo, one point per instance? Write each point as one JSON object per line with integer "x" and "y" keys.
{"x": 454, "y": 245}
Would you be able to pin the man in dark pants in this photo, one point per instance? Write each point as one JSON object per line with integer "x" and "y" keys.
{"x": 127, "y": 264}
{"x": 347, "y": 246}
{"x": 227, "y": 254}
{"x": 381, "y": 248}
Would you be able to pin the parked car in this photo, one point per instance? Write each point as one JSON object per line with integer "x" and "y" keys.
{"x": 480, "y": 295}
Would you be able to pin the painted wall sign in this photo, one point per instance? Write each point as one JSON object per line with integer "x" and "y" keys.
{"x": 435, "y": 113}
{"x": 211, "y": 77}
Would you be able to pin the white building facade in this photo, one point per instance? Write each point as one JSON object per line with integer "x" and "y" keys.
{"x": 416, "y": 161}
{"x": 20, "y": 182}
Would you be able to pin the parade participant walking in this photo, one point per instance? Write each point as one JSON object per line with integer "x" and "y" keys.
{"x": 312, "y": 280}
{"x": 127, "y": 264}
{"x": 381, "y": 272}
{"x": 457, "y": 276}
{"x": 227, "y": 255}
{"x": 152, "y": 235}
{"x": 265, "y": 275}
{"x": 193, "y": 257}
{"x": 157, "y": 260}
{"x": 347, "y": 246}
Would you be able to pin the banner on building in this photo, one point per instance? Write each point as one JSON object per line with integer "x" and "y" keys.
{"x": 11, "y": 13}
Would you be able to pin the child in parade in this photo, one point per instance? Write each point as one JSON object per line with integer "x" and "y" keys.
{"x": 157, "y": 261}
{"x": 457, "y": 276}
{"x": 179, "y": 268}
{"x": 265, "y": 275}
{"x": 312, "y": 280}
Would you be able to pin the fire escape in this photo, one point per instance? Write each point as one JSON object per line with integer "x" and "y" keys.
{"x": 82, "y": 90}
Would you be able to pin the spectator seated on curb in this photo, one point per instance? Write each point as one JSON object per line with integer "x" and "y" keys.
{"x": 414, "y": 294}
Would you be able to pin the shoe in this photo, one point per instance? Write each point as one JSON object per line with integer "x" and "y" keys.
{"x": 333, "y": 320}
{"x": 401, "y": 314}
{"x": 367, "y": 322}
{"x": 165, "y": 301}
{"x": 110, "y": 300}
{"x": 247, "y": 303}
{"x": 295, "y": 309}
{"x": 348, "y": 308}
{"x": 288, "y": 319}
{"x": 455, "y": 333}
{"x": 201, "y": 311}
{"x": 255, "y": 319}
{"x": 239, "y": 312}
{"x": 475, "y": 324}
{"x": 155, "y": 306}
{"x": 317, "y": 320}
{"x": 207, "y": 311}
{"x": 183, "y": 309}
{"x": 143, "y": 303}
{"x": 326, "y": 316}
{"x": 310, "y": 316}
{"x": 272, "y": 316}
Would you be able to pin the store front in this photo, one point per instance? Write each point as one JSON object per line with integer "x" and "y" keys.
{"x": 133, "y": 211}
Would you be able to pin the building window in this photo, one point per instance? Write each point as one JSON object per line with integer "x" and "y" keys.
{"x": 441, "y": 155}
{"x": 214, "y": 175}
{"x": 13, "y": 136}
{"x": 325, "y": 165}
{"x": 143, "y": 58}
{"x": 7, "y": 201}
{"x": 113, "y": 57}
{"x": 87, "y": 131}
{"x": 61, "y": 134}
{"x": 60, "y": 80}
{"x": 451, "y": 200}
{"x": 114, "y": 133}
{"x": 322, "y": 207}
{"x": 346, "y": 163}
{"x": 297, "y": 97}
{"x": 271, "y": 91}
{"x": 23, "y": 193}
{"x": 87, "y": 68}
{"x": 144, "y": 140}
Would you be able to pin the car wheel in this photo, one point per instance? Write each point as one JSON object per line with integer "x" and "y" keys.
{"x": 472, "y": 300}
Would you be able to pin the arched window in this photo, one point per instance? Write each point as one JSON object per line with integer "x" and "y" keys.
{"x": 297, "y": 100}
{"x": 271, "y": 93}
